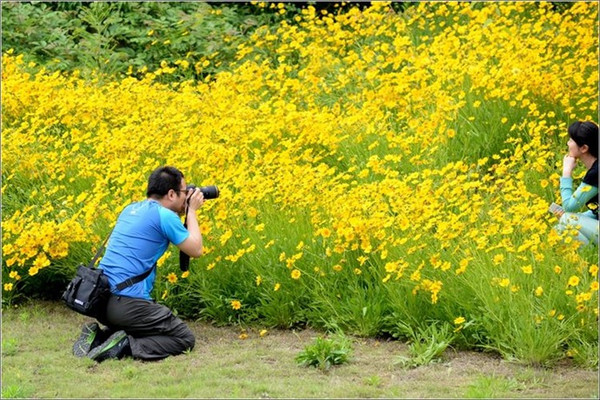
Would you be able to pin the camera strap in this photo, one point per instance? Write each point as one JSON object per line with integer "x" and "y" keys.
{"x": 184, "y": 259}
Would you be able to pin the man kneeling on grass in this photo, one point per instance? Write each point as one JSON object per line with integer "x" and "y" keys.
{"x": 136, "y": 325}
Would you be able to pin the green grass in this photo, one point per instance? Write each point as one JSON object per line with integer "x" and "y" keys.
{"x": 37, "y": 362}
{"x": 485, "y": 387}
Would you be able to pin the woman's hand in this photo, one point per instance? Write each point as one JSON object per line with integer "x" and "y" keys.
{"x": 568, "y": 166}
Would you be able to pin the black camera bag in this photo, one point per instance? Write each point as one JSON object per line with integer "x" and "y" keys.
{"x": 89, "y": 290}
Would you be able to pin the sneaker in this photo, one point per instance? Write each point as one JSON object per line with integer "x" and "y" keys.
{"x": 116, "y": 346}
{"x": 88, "y": 338}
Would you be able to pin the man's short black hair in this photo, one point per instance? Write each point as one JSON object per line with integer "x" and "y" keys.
{"x": 162, "y": 180}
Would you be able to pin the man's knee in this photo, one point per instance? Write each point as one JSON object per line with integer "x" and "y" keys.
{"x": 186, "y": 336}
{"x": 189, "y": 339}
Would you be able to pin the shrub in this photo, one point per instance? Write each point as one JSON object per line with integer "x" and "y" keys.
{"x": 130, "y": 38}
{"x": 326, "y": 352}
{"x": 426, "y": 345}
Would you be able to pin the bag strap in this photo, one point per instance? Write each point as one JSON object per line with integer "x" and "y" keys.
{"x": 132, "y": 281}
{"x": 100, "y": 249}
{"x": 102, "y": 246}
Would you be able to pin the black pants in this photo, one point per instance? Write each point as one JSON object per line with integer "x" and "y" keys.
{"x": 154, "y": 332}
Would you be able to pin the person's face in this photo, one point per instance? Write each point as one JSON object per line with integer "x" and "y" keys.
{"x": 181, "y": 198}
{"x": 574, "y": 149}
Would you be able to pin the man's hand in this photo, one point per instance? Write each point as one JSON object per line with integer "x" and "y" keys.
{"x": 568, "y": 166}
{"x": 195, "y": 199}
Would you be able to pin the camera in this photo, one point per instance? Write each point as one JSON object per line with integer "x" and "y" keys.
{"x": 209, "y": 192}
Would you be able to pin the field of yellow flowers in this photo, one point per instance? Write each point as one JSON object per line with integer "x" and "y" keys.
{"x": 377, "y": 170}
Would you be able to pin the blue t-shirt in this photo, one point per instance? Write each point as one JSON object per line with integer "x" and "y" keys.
{"x": 140, "y": 237}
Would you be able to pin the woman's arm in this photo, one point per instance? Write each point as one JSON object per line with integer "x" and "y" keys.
{"x": 574, "y": 201}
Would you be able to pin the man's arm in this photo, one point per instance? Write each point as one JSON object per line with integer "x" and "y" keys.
{"x": 192, "y": 246}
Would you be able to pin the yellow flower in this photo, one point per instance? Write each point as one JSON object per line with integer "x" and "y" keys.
{"x": 296, "y": 274}
{"x": 571, "y": 353}
{"x": 33, "y": 271}
{"x": 325, "y": 232}
{"x": 277, "y": 286}
{"x": 391, "y": 266}
{"x": 8, "y": 287}
{"x": 236, "y": 305}
{"x": 243, "y": 336}
{"x": 41, "y": 261}
{"x": 160, "y": 262}
{"x": 258, "y": 280}
{"x": 172, "y": 277}
{"x": 459, "y": 320}
{"x": 557, "y": 269}
{"x": 204, "y": 228}
{"x": 263, "y": 333}
{"x": 573, "y": 280}
{"x": 357, "y": 271}
{"x": 185, "y": 274}
{"x": 504, "y": 282}
{"x": 528, "y": 269}
{"x": 539, "y": 291}
{"x": 594, "y": 285}
{"x": 337, "y": 268}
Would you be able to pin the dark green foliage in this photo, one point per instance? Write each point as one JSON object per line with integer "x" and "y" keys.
{"x": 122, "y": 37}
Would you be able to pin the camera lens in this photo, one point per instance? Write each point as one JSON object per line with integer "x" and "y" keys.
{"x": 210, "y": 192}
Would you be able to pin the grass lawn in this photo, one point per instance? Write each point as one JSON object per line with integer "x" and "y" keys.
{"x": 37, "y": 362}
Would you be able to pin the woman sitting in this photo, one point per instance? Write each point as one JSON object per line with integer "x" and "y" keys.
{"x": 583, "y": 146}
